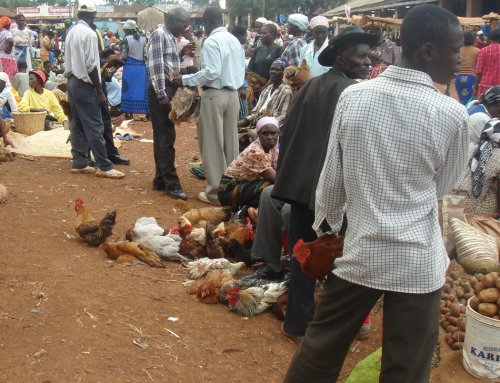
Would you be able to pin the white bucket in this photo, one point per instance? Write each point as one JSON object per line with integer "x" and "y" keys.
{"x": 481, "y": 353}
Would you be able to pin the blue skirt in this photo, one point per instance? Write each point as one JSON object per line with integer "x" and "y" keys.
{"x": 465, "y": 87}
{"x": 134, "y": 87}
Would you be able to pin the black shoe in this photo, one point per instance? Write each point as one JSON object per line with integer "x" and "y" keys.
{"x": 177, "y": 194}
{"x": 158, "y": 186}
{"x": 264, "y": 272}
{"x": 119, "y": 160}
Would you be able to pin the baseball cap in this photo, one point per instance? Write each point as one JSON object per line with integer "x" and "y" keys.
{"x": 87, "y": 6}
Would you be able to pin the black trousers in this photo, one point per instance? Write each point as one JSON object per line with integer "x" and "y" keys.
{"x": 410, "y": 333}
{"x": 163, "y": 146}
{"x": 300, "y": 304}
{"x": 108, "y": 132}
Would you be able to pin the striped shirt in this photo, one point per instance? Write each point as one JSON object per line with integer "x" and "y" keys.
{"x": 385, "y": 167}
{"x": 163, "y": 59}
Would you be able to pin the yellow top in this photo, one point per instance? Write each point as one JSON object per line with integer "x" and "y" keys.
{"x": 47, "y": 100}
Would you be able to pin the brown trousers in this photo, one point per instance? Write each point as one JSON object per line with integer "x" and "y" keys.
{"x": 411, "y": 326}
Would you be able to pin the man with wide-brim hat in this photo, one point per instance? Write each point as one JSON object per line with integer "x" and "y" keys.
{"x": 296, "y": 27}
{"x": 305, "y": 133}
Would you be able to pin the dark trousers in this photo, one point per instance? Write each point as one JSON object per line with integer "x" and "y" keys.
{"x": 300, "y": 304}
{"x": 163, "y": 146}
{"x": 108, "y": 128}
{"x": 411, "y": 326}
{"x": 87, "y": 128}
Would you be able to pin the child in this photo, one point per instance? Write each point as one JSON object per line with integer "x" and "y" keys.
{"x": 20, "y": 82}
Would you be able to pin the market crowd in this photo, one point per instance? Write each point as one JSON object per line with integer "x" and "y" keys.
{"x": 323, "y": 134}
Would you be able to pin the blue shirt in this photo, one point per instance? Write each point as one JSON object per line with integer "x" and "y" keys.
{"x": 222, "y": 62}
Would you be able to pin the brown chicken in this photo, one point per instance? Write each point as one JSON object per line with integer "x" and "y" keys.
{"x": 93, "y": 233}
{"x": 214, "y": 248}
{"x": 297, "y": 75}
{"x": 211, "y": 215}
{"x": 316, "y": 257}
{"x": 129, "y": 252}
{"x": 256, "y": 84}
{"x": 207, "y": 291}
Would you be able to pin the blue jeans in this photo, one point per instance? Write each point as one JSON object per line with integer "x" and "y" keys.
{"x": 87, "y": 128}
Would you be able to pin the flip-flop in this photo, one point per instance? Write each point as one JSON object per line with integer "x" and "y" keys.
{"x": 124, "y": 137}
{"x": 197, "y": 171}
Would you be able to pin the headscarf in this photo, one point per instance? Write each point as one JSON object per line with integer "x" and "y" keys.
{"x": 319, "y": 21}
{"x": 490, "y": 139}
{"x": 491, "y": 95}
{"x": 274, "y": 151}
{"x": 299, "y": 20}
{"x": 130, "y": 25}
{"x": 281, "y": 62}
{"x": 41, "y": 76}
{"x": 68, "y": 22}
{"x": 5, "y": 78}
{"x": 261, "y": 20}
{"x": 4, "y": 21}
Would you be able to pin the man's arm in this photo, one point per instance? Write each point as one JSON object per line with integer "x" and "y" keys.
{"x": 212, "y": 66}
{"x": 156, "y": 66}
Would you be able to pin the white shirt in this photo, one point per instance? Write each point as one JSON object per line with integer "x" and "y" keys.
{"x": 222, "y": 62}
{"x": 81, "y": 53}
{"x": 387, "y": 166}
{"x": 307, "y": 53}
{"x": 22, "y": 37}
{"x": 477, "y": 123}
{"x": 7, "y": 96}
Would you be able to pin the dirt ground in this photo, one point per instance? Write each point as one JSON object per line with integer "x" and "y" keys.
{"x": 67, "y": 314}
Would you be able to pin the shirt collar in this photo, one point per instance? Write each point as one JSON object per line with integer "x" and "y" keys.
{"x": 83, "y": 23}
{"x": 408, "y": 75}
{"x": 218, "y": 29}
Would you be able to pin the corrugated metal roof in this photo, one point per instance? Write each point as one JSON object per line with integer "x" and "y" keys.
{"x": 7, "y": 12}
{"x": 372, "y": 5}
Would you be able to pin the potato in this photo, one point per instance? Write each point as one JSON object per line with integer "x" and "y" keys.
{"x": 460, "y": 292}
{"x": 458, "y": 336}
{"x": 446, "y": 287}
{"x": 454, "y": 274}
{"x": 468, "y": 296}
{"x": 457, "y": 346}
{"x": 455, "y": 309}
{"x": 449, "y": 280}
{"x": 490, "y": 280}
{"x": 498, "y": 283}
{"x": 445, "y": 296}
{"x": 474, "y": 302}
{"x": 478, "y": 287}
{"x": 489, "y": 295}
{"x": 488, "y": 309}
{"x": 462, "y": 324}
{"x": 467, "y": 287}
{"x": 445, "y": 310}
{"x": 453, "y": 321}
{"x": 451, "y": 329}
{"x": 456, "y": 282}
{"x": 473, "y": 281}
{"x": 447, "y": 337}
{"x": 479, "y": 277}
{"x": 445, "y": 324}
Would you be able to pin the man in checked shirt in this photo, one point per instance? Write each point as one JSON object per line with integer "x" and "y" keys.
{"x": 396, "y": 145}
{"x": 163, "y": 64}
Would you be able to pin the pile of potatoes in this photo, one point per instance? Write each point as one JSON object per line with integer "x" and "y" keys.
{"x": 487, "y": 295}
{"x": 456, "y": 292}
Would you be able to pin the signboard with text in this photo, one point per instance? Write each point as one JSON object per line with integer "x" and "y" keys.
{"x": 45, "y": 11}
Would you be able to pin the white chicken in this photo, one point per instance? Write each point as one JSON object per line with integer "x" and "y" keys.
{"x": 254, "y": 300}
{"x": 200, "y": 267}
{"x": 187, "y": 231}
{"x": 146, "y": 231}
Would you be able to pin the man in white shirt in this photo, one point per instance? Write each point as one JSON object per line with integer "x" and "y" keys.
{"x": 222, "y": 74}
{"x": 86, "y": 96}
{"x": 385, "y": 169}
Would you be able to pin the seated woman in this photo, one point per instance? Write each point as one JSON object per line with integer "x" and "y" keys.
{"x": 39, "y": 99}
{"x": 7, "y": 104}
{"x": 482, "y": 111}
{"x": 253, "y": 170}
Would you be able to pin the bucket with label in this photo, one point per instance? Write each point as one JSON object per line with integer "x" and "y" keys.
{"x": 481, "y": 353}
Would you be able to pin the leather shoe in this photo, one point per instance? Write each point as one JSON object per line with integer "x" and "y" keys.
{"x": 119, "y": 160}
{"x": 294, "y": 338}
{"x": 158, "y": 186}
{"x": 177, "y": 194}
{"x": 264, "y": 272}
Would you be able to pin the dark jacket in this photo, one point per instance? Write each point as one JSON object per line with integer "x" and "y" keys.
{"x": 304, "y": 139}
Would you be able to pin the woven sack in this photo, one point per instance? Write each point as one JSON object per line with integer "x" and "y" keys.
{"x": 476, "y": 252}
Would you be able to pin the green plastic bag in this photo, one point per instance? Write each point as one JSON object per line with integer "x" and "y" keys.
{"x": 368, "y": 370}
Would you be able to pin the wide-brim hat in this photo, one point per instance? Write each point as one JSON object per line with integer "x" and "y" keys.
{"x": 40, "y": 75}
{"x": 349, "y": 36}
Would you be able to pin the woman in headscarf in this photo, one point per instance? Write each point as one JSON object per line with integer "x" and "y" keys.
{"x": 265, "y": 54}
{"x": 310, "y": 52}
{"x": 253, "y": 170}
{"x": 7, "y": 104}
{"x": 22, "y": 41}
{"x": 466, "y": 78}
{"x": 7, "y": 57}
{"x": 297, "y": 27}
{"x": 39, "y": 99}
{"x": 483, "y": 110}
{"x": 135, "y": 77}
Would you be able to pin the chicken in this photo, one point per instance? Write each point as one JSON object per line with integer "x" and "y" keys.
{"x": 6, "y": 155}
{"x": 279, "y": 307}
{"x": 256, "y": 84}
{"x": 243, "y": 284}
{"x": 93, "y": 233}
{"x": 207, "y": 291}
{"x": 185, "y": 105}
{"x": 211, "y": 215}
{"x": 254, "y": 300}
{"x": 200, "y": 267}
{"x": 316, "y": 257}
{"x": 125, "y": 250}
{"x": 186, "y": 230}
{"x": 296, "y": 75}
{"x": 147, "y": 232}
{"x": 213, "y": 248}
{"x": 243, "y": 234}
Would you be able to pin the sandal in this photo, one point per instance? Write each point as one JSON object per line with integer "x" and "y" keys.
{"x": 197, "y": 171}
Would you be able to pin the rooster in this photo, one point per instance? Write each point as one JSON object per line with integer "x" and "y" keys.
{"x": 316, "y": 257}
{"x": 128, "y": 252}
{"x": 93, "y": 233}
{"x": 200, "y": 267}
{"x": 214, "y": 248}
{"x": 238, "y": 241}
{"x": 146, "y": 231}
{"x": 296, "y": 75}
{"x": 254, "y": 300}
{"x": 207, "y": 291}
{"x": 187, "y": 231}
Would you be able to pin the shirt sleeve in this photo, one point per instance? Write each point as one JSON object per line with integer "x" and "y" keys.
{"x": 24, "y": 105}
{"x": 56, "y": 108}
{"x": 256, "y": 160}
{"x": 92, "y": 52}
{"x": 156, "y": 65}
{"x": 282, "y": 107}
{"x": 212, "y": 66}
{"x": 124, "y": 49}
{"x": 330, "y": 192}
{"x": 480, "y": 62}
{"x": 455, "y": 161}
